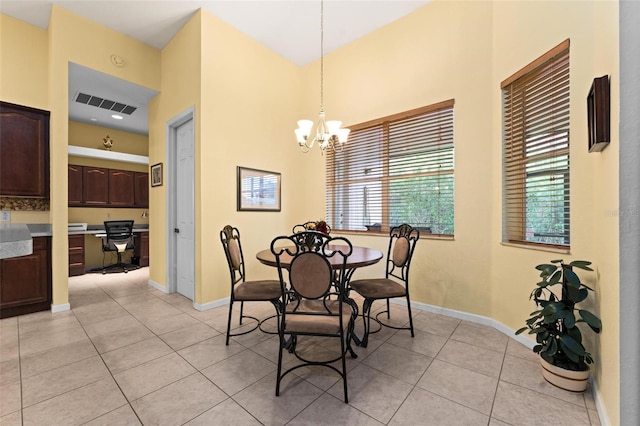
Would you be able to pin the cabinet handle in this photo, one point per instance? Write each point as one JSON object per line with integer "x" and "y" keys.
{"x": 176, "y": 230}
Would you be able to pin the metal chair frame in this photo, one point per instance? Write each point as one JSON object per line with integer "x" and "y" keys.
{"x": 311, "y": 247}
{"x": 399, "y": 271}
{"x": 238, "y": 276}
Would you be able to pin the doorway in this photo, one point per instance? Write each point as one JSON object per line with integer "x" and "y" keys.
{"x": 181, "y": 204}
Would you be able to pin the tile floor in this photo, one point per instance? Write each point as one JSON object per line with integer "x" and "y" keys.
{"x": 128, "y": 354}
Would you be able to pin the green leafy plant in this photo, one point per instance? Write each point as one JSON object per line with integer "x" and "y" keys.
{"x": 555, "y": 324}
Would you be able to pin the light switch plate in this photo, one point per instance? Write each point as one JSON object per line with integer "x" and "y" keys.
{"x": 6, "y": 216}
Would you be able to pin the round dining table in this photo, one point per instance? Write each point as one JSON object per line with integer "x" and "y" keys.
{"x": 360, "y": 256}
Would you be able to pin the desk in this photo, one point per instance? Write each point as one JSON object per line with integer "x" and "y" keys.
{"x": 360, "y": 256}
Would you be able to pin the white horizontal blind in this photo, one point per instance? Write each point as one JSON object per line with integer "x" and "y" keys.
{"x": 395, "y": 170}
{"x": 536, "y": 152}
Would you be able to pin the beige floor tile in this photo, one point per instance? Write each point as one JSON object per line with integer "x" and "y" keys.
{"x": 183, "y": 337}
{"x": 260, "y": 401}
{"x": 268, "y": 348}
{"x": 589, "y": 399}
{"x": 11, "y": 400}
{"x": 594, "y": 418}
{"x": 520, "y": 406}
{"x": 44, "y": 325}
{"x": 239, "y": 371}
{"x": 474, "y": 358}
{"x": 399, "y": 362}
{"x": 123, "y": 416}
{"x": 99, "y": 312}
{"x": 178, "y": 402}
{"x": 375, "y": 393}
{"x": 45, "y": 342}
{"x": 63, "y": 379}
{"x": 330, "y": 411}
{"x": 525, "y": 373}
{"x": 78, "y": 406}
{"x": 135, "y": 354}
{"x": 423, "y": 343}
{"x": 517, "y": 349}
{"x": 143, "y": 379}
{"x": 60, "y": 356}
{"x": 10, "y": 347}
{"x": 480, "y": 335}
{"x": 118, "y": 339}
{"x": 228, "y": 412}
{"x": 439, "y": 325}
{"x": 466, "y": 387}
{"x": 208, "y": 352}
{"x": 12, "y": 419}
{"x": 170, "y": 323}
{"x": 110, "y": 325}
{"x": 9, "y": 370}
{"x": 496, "y": 422}
{"x": 426, "y": 408}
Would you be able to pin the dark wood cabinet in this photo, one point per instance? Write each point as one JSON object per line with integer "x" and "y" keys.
{"x": 76, "y": 255}
{"x": 102, "y": 187}
{"x": 141, "y": 190}
{"x": 121, "y": 188}
{"x": 75, "y": 185}
{"x": 141, "y": 250}
{"x": 24, "y": 148}
{"x": 95, "y": 186}
{"x": 25, "y": 281}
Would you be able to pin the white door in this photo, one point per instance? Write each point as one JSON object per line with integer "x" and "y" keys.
{"x": 185, "y": 209}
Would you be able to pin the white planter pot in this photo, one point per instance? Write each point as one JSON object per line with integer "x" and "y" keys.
{"x": 574, "y": 381}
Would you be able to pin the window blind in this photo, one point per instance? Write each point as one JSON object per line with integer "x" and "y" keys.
{"x": 536, "y": 180}
{"x": 394, "y": 170}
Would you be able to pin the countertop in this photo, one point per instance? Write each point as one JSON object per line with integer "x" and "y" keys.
{"x": 15, "y": 240}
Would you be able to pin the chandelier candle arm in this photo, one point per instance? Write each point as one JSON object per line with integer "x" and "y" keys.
{"x": 329, "y": 134}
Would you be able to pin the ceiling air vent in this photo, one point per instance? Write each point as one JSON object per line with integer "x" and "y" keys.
{"x": 96, "y": 101}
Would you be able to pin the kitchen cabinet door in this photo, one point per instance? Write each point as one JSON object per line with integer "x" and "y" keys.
{"x": 95, "y": 186}
{"x": 75, "y": 185}
{"x": 24, "y": 151}
{"x": 141, "y": 189}
{"x": 121, "y": 188}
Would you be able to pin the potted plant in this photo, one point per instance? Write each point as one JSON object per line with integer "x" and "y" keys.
{"x": 564, "y": 359}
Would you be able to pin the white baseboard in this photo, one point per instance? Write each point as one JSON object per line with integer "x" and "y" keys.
{"x": 479, "y": 319}
{"x": 158, "y": 286}
{"x": 211, "y": 305}
{"x": 60, "y": 308}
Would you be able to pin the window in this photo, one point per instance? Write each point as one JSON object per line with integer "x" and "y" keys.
{"x": 536, "y": 152}
{"x": 395, "y": 170}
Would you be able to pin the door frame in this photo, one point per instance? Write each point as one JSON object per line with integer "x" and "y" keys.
{"x": 172, "y": 126}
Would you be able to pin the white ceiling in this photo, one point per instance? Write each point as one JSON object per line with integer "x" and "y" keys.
{"x": 290, "y": 28}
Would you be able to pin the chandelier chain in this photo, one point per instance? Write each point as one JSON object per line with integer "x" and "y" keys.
{"x": 322, "y": 55}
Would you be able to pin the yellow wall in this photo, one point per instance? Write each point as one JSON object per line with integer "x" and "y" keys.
{"x": 463, "y": 50}
{"x": 24, "y": 78}
{"x": 249, "y": 108}
{"x": 75, "y": 39}
{"x": 247, "y": 100}
{"x": 91, "y": 136}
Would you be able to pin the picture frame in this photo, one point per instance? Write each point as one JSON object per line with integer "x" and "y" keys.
{"x": 598, "y": 114}
{"x": 155, "y": 176}
{"x": 258, "y": 190}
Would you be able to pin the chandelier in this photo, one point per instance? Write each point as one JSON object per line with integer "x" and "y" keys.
{"x": 328, "y": 134}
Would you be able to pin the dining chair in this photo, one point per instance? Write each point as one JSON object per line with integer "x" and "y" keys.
{"x": 402, "y": 242}
{"x": 242, "y": 290}
{"x": 316, "y": 266}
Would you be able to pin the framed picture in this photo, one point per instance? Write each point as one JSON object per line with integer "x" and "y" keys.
{"x": 156, "y": 174}
{"x": 258, "y": 190}
{"x": 598, "y": 114}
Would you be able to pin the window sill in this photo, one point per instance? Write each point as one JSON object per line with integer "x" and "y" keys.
{"x": 386, "y": 235}
{"x": 537, "y": 248}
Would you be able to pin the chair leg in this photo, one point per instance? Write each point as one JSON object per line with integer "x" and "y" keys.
{"x": 344, "y": 370}
{"x": 280, "y": 349}
{"x": 241, "y": 312}
{"x": 388, "y": 310}
{"x": 366, "y": 321}
{"x": 229, "y": 320}
{"x": 410, "y": 317}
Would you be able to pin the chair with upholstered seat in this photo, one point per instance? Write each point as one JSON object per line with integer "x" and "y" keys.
{"x": 316, "y": 265}
{"x": 402, "y": 242}
{"x": 243, "y": 290}
{"x": 118, "y": 239}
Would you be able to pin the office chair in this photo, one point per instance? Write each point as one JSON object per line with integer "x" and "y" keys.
{"x": 119, "y": 239}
